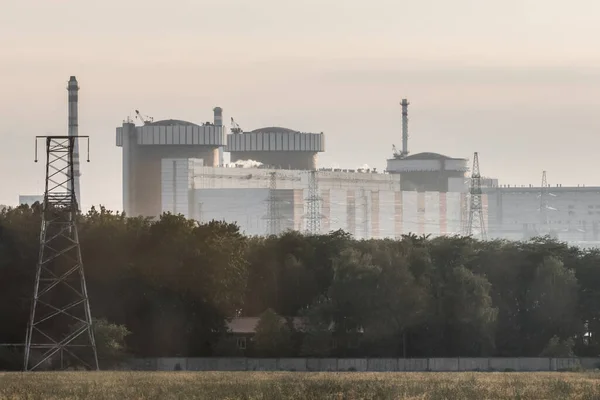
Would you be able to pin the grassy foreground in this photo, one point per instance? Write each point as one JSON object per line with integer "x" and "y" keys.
{"x": 297, "y": 385}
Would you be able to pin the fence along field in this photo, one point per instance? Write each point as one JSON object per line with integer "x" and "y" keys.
{"x": 293, "y": 385}
{"x": 456, "y": 364}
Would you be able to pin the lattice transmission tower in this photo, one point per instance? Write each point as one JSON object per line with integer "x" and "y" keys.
{"x": 59, "y": 333}
{"x": 476, "y": 226}
{"x": 313, "y": 202}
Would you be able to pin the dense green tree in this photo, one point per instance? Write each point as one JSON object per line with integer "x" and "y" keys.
{"x": 110, "y": 342}
{"x": 558, "y": 348}
{"x": 273, "y": 337}
{"x": 172, "y": 283}
{"x": 317, "y": 339}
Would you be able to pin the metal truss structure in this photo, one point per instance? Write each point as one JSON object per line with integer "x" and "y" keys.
{"x": 60, "y": 333}
{"x": 476, "y": 224}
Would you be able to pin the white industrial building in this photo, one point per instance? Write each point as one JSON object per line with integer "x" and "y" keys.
{"x": 177, "y": 166}
{"x": 365, "y": 204}
{"x": 571, "y": 214}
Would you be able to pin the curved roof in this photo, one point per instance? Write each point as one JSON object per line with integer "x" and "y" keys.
{"x": 274, "y": 129}
{"x": 429, "y": 156}
{"x": 170, "y": 122}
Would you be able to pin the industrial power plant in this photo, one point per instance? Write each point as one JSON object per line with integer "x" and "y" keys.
{"x": 273, "y": 183}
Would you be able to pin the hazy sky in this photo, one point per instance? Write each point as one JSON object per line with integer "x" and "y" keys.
{"x": 516, "y": 80}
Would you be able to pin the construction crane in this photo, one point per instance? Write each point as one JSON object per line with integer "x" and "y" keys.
{"x": 235, "y": 127}
{"x": 395, "y": 152}
{"x": 144, "y": 118}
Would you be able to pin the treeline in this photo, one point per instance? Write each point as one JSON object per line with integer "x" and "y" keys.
{"x": 173, "y": 283}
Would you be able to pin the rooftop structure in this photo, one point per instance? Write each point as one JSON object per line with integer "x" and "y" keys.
{"x": 276, "y": 147}
{"x": 430, "y": 172}
{"x": 145, "y": 146}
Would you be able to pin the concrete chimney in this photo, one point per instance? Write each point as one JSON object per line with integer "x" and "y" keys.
{"x": 218, "y": 112}
{"x": 73, "y": 88}
{"x": 404, "y": 105}
{"x": 218, "y": 121}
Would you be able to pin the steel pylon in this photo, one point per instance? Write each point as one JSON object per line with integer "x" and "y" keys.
{"x": 60, "y": 332}
{"x": 476, "y": 224}
{"x": 313, "y": 202}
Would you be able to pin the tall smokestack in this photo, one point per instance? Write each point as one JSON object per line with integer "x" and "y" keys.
{"x": 73, "y": 88}
{"x": 218, "y": 121}
{"x": 404, "y": 105}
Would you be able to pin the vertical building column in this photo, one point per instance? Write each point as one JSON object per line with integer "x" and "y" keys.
{"x": 129, "y": 143}
{"x": 298, "y": 209}
{"x": 421, "y": 213}
{"x": 464, "y": 213}
{"x": 443, "y": 214}
{"x": 326, "y": 211}
{"x": 398, "y": 214}
{"x": 484, "y": 211}
{"x": 375, "y": 231}
{"x": 351, "y": 212}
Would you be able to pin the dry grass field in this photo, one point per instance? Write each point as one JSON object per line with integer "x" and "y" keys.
{"x": 296, "y": 385}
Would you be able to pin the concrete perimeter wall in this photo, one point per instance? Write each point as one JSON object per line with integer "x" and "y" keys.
{"x": 363, "y": 364}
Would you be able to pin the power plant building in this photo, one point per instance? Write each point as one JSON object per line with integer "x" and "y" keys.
{"x": 277, "y": 147}
{"x": 363, "y": 203}
{"x": 570, "y": 214}
{"x": 144, "y": 148}
{"x": 274, "y": 184}
{"x": 174, "y": 166}
{"x": 430, "y": 172}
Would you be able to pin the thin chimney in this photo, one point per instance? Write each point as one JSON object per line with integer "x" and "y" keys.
{"x": 404, "y": 105}
{"x": 73, "y": 88}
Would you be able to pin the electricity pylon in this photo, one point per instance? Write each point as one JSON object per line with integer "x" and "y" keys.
{"x": 476, "y": 226}
{"x": 313, "y": 215}
{"x": 60, "y": 333}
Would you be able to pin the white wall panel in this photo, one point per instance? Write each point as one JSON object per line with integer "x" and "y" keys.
{"x": 245, "y": 207}
{"x": 168, "y": 136}
{"x": 175, "y": 177}
{"x": 338, "y": 202}
{"x": 286, "y": 142}
{"x": 410, "y": 223}
{"x": 386, "y": 213}
{"x": 453, "y": 213}
{"x": 432, "y": 213}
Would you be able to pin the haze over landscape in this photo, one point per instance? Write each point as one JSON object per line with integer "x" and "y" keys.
{"x": 516, "y": 81}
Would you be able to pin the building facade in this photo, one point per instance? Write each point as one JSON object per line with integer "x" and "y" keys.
{"x": 570, "y": 214}
{"x": 364, "y": 204}
{"x": 144, "y": 148}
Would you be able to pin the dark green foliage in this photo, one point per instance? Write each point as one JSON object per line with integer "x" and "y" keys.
{"x": 558, "y": 348}
{"x": 110, "y": 343}
{"x": 273, "y": 336}
{"x": 173, "y": 283}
